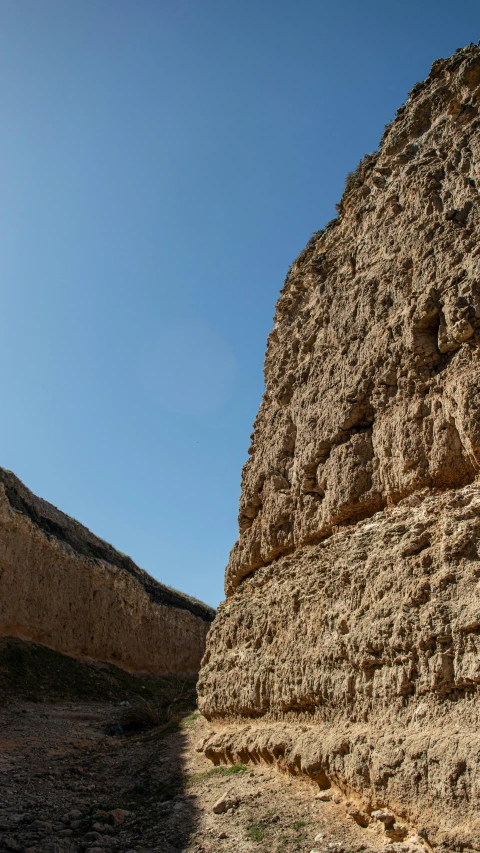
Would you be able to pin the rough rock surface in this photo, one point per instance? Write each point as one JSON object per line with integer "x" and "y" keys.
{"x": 372, "y": 366}
{"x": 63, "y": 587}
{"x": 349, "y": 638}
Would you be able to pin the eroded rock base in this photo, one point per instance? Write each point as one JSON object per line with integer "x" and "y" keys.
{"x": 394, "y": 770}
{"x": 356, "y": 663}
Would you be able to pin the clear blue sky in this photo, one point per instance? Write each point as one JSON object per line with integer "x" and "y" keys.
{"x": 162, "y": 165}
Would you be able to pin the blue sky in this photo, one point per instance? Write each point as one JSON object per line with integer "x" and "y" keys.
{"x": 162, "y": 164}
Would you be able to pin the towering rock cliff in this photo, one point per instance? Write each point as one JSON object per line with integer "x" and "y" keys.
{"x": 63, "y": 587}
{"x": 349, "y": 640}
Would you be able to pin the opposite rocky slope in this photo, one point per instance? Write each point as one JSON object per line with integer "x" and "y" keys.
{"x": 63, "y": 587}
{"x": 353, "y": 645}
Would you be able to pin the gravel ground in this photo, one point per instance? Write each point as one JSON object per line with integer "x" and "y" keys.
{"x": 70, "y": 782}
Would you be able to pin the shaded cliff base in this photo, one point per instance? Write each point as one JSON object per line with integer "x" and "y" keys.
{"x": 30, "y": 672}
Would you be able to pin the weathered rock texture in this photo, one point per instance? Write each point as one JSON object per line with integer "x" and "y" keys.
{"x": 63, "y": 587}
{"x": 351, "y": 629}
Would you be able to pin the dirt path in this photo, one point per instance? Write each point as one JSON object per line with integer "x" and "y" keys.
{"x": 68, "y": 786}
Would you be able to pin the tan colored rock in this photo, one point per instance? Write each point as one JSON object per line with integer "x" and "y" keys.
{"x": 372, "y": 366}
{"x": 225, "y": 802}
{"x": 63, "y": 587}
{"x": 388, "y": 609}
{"x": 348, "y": 647}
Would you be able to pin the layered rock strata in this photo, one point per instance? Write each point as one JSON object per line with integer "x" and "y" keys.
{"x": 349, "y": 638}
{"x": 63, "y": 587}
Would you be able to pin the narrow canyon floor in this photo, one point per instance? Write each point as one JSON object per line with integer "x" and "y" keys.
{"x": 69, "y": 783}
{"x": 95, "y": 759}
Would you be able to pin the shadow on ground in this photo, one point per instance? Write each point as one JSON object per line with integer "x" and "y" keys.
{"x": 94, "y": 759}
{"x": 91, "y": 757}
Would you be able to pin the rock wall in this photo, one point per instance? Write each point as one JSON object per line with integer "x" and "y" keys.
{"x": 63, "y": 587}
{"x": 371, "y": 370}
{"x": 348, "y": 645}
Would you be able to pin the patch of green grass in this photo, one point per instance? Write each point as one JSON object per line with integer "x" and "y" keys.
{"x": 298, "y": 824}
{"x": 32, "y": 672}
{"x": 271, "y": 815}
{"x": 189, "y": 722}
{"x": 220, "y": 770}
{"x": 256, "y": 832}
{"x": 231, "y": 769}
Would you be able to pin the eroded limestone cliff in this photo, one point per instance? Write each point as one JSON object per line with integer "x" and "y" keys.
{"x": 349, "y": 638}
{"x": 63, "y": 587}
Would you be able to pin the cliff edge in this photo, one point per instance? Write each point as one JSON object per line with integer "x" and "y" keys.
{"x": 65, "y": 588}
{"x": 348, "y": 647}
